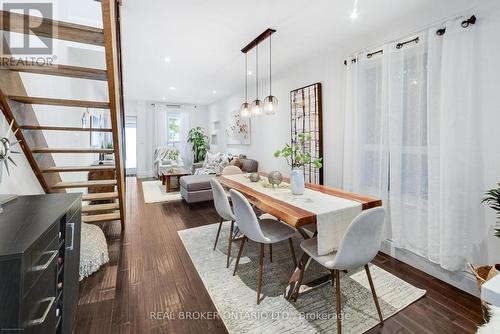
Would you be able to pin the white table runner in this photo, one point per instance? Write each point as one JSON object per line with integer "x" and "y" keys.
{"x": 334, "y": 214}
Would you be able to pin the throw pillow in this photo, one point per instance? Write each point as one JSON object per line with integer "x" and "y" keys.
{"x": 236, "y": 162}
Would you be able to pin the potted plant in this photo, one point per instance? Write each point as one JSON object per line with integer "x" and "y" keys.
{"x": 297, "y": 157}
{"x": 492, "y": 199}
{"x": 199, "y": 143}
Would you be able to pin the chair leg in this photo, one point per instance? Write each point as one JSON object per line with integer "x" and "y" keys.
{"x": 218, "y": 232}
{"x": 333, "y": 277}
{"x": 239, "y": 254}
{"x": 302, "y": 266}
{"x": 271, "y": 253}
{"x": 292, "y": 251}
{"x": 375, "y": 299}
{"x": 261, "y": 268}
{"x": 338, "y": 311}
{"x": 229, "y": 243}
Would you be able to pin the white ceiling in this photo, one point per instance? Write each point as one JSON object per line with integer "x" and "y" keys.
{"x": 203, "y": 38}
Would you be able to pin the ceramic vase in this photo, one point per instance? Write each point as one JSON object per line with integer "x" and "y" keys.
{"x": 297, "y": 181}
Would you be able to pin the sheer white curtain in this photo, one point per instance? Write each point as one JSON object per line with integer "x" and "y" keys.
{"x": 160, "y": 125}
{"x": 412, "y": 138}
{"x": 184, "y": 148}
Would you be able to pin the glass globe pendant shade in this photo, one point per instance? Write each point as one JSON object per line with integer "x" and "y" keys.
{"x": 245, "y": 110}
{"x": 270, "y": 105}
{"x": 257, "y": 108}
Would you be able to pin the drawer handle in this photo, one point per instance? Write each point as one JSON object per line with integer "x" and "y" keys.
{"x": 72, "y": 225}
{"x": 46, "y": 264}
{"x": 41, "y": 320}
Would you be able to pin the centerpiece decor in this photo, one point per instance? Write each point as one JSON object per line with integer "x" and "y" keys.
{"x": 297, "y": 156}
{"x": 275, "y": 178}
{"x": 199, "y": 143}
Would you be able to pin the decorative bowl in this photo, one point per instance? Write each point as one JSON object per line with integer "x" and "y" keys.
{"x": 254, "y": 177}
{"x": 275, "y": 178}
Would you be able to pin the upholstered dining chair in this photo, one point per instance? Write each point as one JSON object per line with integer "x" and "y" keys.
{"x": 262, "y": 231}
{"x": 358, "y": 247}
{"x": 231, "y": 170}
{"x": 223, "y": 208}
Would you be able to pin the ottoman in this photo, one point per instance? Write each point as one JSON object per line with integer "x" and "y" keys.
{"x": 196, "y": 188}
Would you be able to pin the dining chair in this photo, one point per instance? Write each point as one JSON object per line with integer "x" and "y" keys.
{"x": 231, "y": 170}
{"x": 225, "y": 212}
{"x": 359, "y": 245}
{"x": 263, "y": 231}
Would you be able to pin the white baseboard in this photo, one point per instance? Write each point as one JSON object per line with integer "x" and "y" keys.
{"x": 460, "y": 279}
{"x": 145, "y": 174}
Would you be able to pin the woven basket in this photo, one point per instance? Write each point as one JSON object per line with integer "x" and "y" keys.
{"x": 483, "y": 274}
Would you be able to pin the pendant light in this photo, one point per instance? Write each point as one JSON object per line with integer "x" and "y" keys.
{"x": 270, "y": 102}
{"x": 257, "y": 104}
{"x": 245, "y": 107}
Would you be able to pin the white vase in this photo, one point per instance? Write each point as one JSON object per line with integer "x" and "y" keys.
{"x": 297, "y": 181}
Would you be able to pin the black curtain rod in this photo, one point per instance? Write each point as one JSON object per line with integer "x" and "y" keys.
{"x": 465, "y": 24}
{"x": 439, "y": 32}
{"x": 369, "y": 55}
{"x": 400, "y": 45}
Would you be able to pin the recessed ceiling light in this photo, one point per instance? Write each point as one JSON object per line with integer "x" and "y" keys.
{"x": 171, "y": 88}
{"x": 249, "y": 72}
{"x": 164, "y": 98}
{"x": 354, "y": 14}
{"x": 214, "y": 92}
{"x": 167, "y": 60}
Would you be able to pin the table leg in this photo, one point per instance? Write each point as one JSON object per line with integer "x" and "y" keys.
{"x": 168, "y": 184}
{"x": 295, "y": 286}
{"x": 163, "y": 179}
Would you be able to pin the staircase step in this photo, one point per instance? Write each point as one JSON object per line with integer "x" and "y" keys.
{"x": 84, "y": 184}
{"x": 22, "y": 65}
{"x": 67, "y": 169}
{"x": 100, "y": 196}
{"x": 72, "y": 150}
{"x": 59, "y": 102}
{"x": 101, "y": 218}
{"x": 100, "y": 207}
{"x": 46, "y": 27}
{"x": 63, "y": 128}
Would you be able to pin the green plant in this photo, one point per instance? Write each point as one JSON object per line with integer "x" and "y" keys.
{"x": 172, "y": 154}
{"x": 109, "y": 146}
{"x": 492, "y": 199}
{"x": 295, "y": 154}
{"x": 199, "y": 143}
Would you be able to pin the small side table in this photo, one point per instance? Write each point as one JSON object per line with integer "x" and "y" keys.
{"x": 166, "y": 178}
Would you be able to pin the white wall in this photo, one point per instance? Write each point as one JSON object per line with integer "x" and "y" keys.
{"x": 271, "y": 132}
{"x": 144, "y": 110}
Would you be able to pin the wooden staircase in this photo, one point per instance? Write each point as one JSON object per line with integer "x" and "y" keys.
{"x": 17, "y": 107}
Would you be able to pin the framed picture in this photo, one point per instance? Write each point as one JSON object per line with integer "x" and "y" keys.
{"x": 238, "y": 130}
{"x": 306, "y": 117}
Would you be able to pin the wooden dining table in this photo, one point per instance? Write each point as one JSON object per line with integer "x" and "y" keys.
{"x": 302, "y": 220}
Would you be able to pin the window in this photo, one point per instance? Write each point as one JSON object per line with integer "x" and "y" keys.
{"x": 173, "y": 129}
{"x": 392, "y": 106}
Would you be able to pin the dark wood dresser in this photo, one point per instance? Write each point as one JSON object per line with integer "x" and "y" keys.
{"x": 39, "y": 263}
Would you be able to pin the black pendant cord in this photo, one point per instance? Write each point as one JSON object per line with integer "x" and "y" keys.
{"x": 257, "y": 70}
{"x": 246, "y": 78}
{"x": 270, "y": 67}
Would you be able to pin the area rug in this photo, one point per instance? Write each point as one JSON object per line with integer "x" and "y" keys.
{"x": 155, "y": 192}
{"x": 314, "y": 312}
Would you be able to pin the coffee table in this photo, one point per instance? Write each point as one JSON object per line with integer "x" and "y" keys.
{"x": 166, "y": 178}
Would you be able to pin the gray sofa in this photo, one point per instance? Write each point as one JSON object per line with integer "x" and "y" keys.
{"x": 196, "y": 188}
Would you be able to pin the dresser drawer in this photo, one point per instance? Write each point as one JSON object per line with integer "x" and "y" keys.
{"x": 41, "y": 257}
{"x": 39, "y": 305}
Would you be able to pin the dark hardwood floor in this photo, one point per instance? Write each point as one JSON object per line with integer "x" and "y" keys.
{"x": 149, "y": 270}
